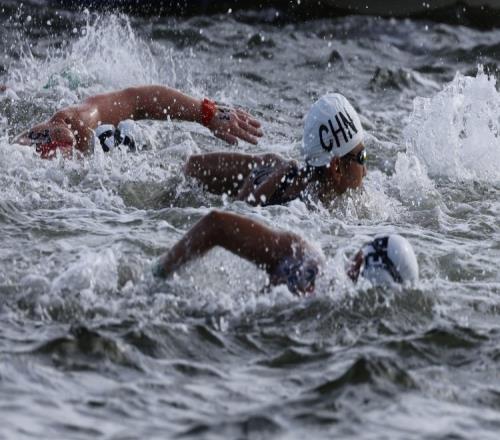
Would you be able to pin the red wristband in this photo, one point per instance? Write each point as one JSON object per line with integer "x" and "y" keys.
{"x": 208, "y": 110}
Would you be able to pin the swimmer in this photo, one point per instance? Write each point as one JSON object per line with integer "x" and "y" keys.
{"x": 286, "y": 257}
{"x": 332, "y": 147}
{"x": 73, "y": 127}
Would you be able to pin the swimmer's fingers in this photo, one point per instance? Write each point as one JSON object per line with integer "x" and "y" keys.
{"x": 229, "y": 125}
{"x": 235, "y": 130}
{"x": 247, "y": 118}
{"x": 226, "y": 136}
{"x": 245, "y": 126}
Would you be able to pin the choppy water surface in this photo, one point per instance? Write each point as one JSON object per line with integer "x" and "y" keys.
{"x": 92, "y": 347}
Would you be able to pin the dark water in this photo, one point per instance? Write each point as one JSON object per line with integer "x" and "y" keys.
{"x": 92, "y": 347}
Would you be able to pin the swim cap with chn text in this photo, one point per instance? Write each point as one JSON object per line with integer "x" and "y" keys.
{"x": 332, "y": 129}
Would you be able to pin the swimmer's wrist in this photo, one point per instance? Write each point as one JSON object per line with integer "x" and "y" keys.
{"x": 208, "y": 111}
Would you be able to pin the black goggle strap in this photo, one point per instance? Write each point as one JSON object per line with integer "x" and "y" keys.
{"x": 106, "y": 135}
{"x": 117, "y": 140}
{"x": 128, "y": 141}
{"x": 379, "y": 254}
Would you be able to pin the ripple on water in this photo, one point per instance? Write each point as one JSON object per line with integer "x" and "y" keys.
{"x": 88, "y": 334}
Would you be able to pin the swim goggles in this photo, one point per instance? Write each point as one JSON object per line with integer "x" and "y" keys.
{"x": 361, "y": 157}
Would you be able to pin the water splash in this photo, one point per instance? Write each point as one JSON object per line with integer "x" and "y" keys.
{"x": 455, "y": 134}
{"x": 415, "y": 188}
{"x": 107, "y": 54}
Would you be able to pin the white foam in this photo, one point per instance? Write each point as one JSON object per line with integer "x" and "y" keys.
{"x": 455, "y": 134}
{"x": 90, "y": 273}
{"x": 411, "y": 180}
{"x": 87, "y": 194}
{"x": 107, "y": 55}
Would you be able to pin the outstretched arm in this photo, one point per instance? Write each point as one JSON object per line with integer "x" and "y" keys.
{"x": 159, "y": 102}
{"x": 144, "y": 102}
{"x": 240, "y": 235}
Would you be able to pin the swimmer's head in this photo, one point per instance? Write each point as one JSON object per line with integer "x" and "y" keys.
{"x": 385, "y": 260}
{"x": 332, "y": 129}
{"x": 49, "y": 138}
{"x": 124, "y": 135}
{"x": 333, "y": 144}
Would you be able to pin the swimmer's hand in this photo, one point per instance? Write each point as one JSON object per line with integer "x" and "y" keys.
{"x": 229, "y": 124}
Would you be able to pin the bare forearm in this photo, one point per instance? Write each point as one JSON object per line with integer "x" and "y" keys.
{"x": 159, "y": 102}
{"x": 144, "y": 102}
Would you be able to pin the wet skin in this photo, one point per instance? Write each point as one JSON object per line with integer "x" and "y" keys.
{"x": 345, "y": 172}
{"x": 231, "y": 173}
{"x": 75, "y": 124}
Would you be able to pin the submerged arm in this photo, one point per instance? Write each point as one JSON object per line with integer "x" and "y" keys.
{"x": 240, "y": 235}
{"x": 146, "y": 102}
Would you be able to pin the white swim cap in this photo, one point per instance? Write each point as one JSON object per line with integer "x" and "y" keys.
{"x": 332, "y": 128}
{"x": 127, "y": 133}
{"x": 389, "y": 259}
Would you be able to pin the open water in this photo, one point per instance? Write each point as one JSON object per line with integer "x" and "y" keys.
{"x": 91, "y": 346}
